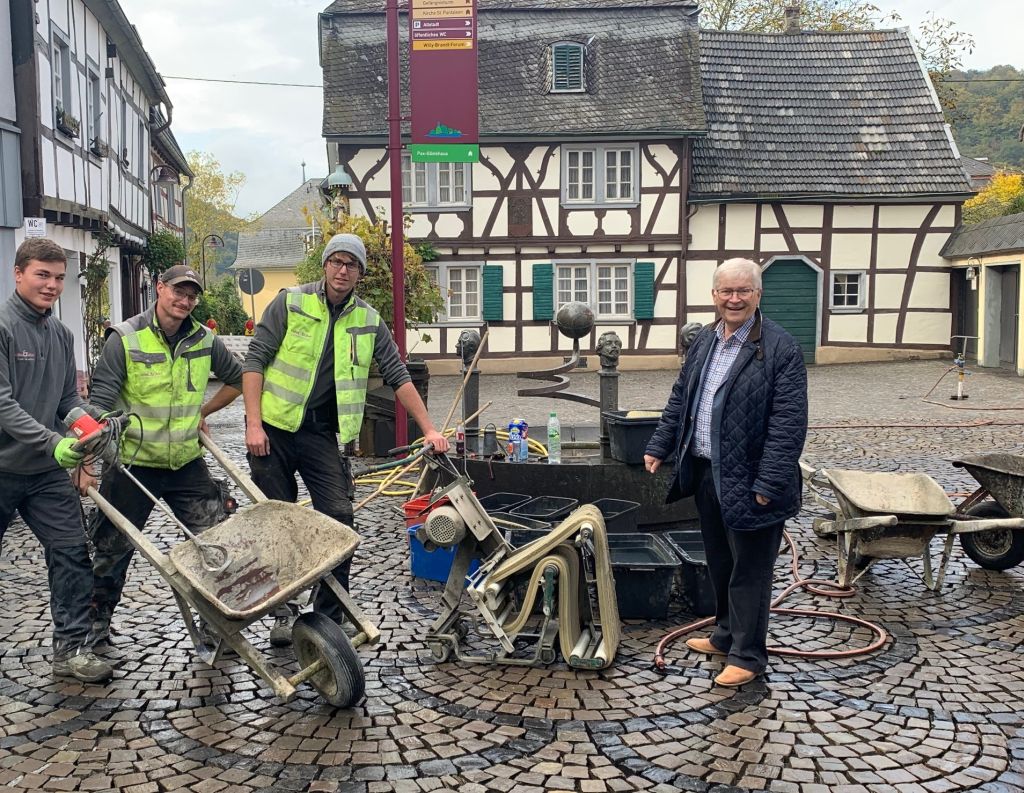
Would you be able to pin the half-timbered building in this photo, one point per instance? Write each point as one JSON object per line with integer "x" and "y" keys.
{"x": 624, "y": 156}
{"x": 10, "y": 153}
{"x": 88, "y": 99}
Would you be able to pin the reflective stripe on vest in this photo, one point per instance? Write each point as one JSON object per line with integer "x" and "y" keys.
{"x": 288, "y": 381}
{"x": 166, "y": 392}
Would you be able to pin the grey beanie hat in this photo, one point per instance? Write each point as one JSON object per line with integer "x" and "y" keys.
{"x": 346, "y": 243}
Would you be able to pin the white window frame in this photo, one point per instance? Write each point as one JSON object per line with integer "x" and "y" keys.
{"x": 423, "y": 185}
{"x": 590, "y": 269}
{"x": 582, "y": 54}
{"x": 93, "y": 105}
{"x": 442, "y": 273}
{"x": 572, "y": 160}
{"x": 61, "y": 68}
{"x": 862, "y": 288}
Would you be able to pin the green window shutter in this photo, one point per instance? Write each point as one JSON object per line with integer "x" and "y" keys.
{"x": 643, "y": 290}
{"x": 494, "y": 299}
{"x": 543, "y": 291}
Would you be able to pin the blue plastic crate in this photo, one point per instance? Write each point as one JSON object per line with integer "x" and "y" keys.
{"x": 432, "y": 565}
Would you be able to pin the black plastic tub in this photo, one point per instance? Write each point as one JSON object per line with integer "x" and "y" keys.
{"x": 694, "y": 575}
{"x": 519, "y": 530}
{"x": 619, "y": 515}
{"x": 644, "y": 567}
{"x": 549, "y": 508}
{"x": 502, "y": 502}
{"x": 628, "y": 436}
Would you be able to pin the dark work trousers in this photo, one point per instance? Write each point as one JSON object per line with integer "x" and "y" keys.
{"x": 191, "y": 493}
{"x": 742, "y": 565}
{"x": 49, "y": 505}
{"x": 313, "y": 453}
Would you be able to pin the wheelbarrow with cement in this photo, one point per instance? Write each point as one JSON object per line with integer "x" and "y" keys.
{"x": 890, "y": 516}
{"x": 1000, "y": 476}
{"x": 240, "y": 570}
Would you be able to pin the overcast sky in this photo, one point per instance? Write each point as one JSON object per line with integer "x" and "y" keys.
{"x": 267, "y": 132}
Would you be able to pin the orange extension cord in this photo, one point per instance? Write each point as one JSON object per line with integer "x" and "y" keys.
{"x": 815, "y": 587}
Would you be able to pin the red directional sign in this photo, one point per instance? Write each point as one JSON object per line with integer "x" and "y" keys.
{"x": 443, "y": 73}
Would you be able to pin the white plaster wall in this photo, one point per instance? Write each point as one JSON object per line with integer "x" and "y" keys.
{"x": 739, "y": 228}
{"x": 885, "y": 328}
{"x": 946, "y": 216}
{"x": 894, "y": 251}
{"x": 703, "y": 317}
{"x": 889, "y": 290}
{"x": 807, "y": 242}
{"x": 699, "y": 278}
{"x": 797, "y": 214}
{"x": 704, "y": 228}
{"x": 931, "y": 290}
{"x": 848, "y": 327}
{"x": 362, "y": 161}
{"x": 550, "y": 205}
{"x": 662, "y": 337}
{"x": 929, "y": 255}
{"x": 483, "y": 177}
{"x": 900, "y": 216}
{"x": 581, "y": 223}
{"x": 665, "y": 157}
{"x": 616, "y": 221}
{"x": 852, "y": 216}
{"x": 851, "y": 250}
{"x": 534, "y": 338}
{"x": 772, "y": 244}
{"x": 535, "y": 160}
{"x": 482, "y": 208}
{"x": 668, "y": 215}
{"x": 928, "y": 328}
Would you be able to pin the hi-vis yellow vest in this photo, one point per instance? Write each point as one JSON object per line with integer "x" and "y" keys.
{"x": 165, "y": 388}
{"x": 288, "y": 381}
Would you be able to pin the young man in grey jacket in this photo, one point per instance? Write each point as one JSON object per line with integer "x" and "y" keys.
{"x": 38, "y": 387}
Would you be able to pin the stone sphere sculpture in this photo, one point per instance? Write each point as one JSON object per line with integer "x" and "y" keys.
{"x": 574, "y": 320}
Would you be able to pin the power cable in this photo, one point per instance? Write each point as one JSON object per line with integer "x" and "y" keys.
{"x": 240, "y": 82}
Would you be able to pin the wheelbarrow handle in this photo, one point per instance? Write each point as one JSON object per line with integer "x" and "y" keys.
{"x": 240, "y": 477}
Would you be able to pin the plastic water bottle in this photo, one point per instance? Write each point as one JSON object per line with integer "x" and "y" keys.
{"x": 554, "y": 439}
{"x": 515, "y": 441}
{"x": 460, "y": 439}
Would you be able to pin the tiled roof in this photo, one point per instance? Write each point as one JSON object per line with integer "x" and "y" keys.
{"x": 271, "y": 248}
{"x": 978, "y": 168}
{"x": 287, "y": 213}
{"x": 641, "y": 66}
{"x": 377, "y": 7}
{"x": 808, "y": 114}
{"x": 999, "y": 235}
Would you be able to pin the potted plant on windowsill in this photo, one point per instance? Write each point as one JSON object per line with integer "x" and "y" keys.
{"x": 98, "y": 148}
{"x": 67, "y": 123}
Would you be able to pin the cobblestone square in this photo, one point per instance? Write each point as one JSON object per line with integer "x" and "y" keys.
{"x": 939, "y": 708}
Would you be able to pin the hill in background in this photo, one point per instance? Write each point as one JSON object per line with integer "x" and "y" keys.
{"x": 989, "y": 114}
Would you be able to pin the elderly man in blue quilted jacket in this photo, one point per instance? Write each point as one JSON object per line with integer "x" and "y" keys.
{"x": 735, "y": 426}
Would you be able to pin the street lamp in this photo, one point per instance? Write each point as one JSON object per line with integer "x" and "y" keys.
{"x": 217, "y": 242}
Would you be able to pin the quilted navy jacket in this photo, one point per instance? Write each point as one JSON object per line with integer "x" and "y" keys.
{"x": 758, "y": 427}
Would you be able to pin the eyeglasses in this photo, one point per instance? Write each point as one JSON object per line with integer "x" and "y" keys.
{"x": 744, "y": 293}
{"x": 337, "y": 264}
{"x": 185, "y": 294}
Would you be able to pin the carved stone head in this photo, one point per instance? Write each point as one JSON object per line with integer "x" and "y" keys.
{"x": 467, "y": 345}
{"x": 609, "y": 345}
{"x": 687, "y": 334}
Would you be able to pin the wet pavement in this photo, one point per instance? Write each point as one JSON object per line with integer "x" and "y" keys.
{"x": 938, "y": 708}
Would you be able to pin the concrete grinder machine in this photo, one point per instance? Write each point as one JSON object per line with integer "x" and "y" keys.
{"x": 558, "y": 588}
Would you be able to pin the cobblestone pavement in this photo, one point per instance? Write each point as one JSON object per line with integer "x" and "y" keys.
{"x": 938, "y": 709}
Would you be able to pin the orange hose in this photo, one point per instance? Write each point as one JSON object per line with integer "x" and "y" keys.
{"x": 815, "y": 587}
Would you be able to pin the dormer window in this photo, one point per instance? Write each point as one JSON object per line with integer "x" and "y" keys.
{"x": 567, "y": 67}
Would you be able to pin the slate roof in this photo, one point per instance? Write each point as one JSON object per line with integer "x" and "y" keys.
{"x": 267, "y": 248}
{"x": 820, "y": 114}
{"x": 998, "y": 235}
{"x": 287, "y": 213}
{"x": 642, "y": 69}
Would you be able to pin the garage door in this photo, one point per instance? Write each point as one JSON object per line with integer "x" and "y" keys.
{"x": 791, "y": 299}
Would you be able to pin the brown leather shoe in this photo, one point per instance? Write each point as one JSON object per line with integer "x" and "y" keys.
{"x": 702, "y": 645}
{"x": 734, "y": 676}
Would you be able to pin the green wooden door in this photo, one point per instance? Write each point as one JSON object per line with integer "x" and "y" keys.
{"x": 791, "y": 299}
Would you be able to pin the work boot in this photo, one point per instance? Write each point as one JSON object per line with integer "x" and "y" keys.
{"x": 281, "y": 632}
{"x": 100, "y": 637}
{"x": 83, "y": 664}
{"x": 703, "y": 645}
{"x": 734, "y": 676}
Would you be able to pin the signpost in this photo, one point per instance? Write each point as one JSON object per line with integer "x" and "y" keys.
{"x": 443, "y": 81}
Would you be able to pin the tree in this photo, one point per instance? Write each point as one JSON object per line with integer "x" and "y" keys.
{"x": 942, "y": 48}
{"x": 163, "y": 250}
{"x": 1003, "y": 196}
{"x": 210, "y": 207}
{"x": 221, "y": 302}
{"x": 423, "y": 300}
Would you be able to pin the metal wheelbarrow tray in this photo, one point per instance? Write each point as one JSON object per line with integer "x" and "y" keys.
{"x": 277, "y": 551}
{"x": 1001, "y": 476}
{"x": 890, "y": 516}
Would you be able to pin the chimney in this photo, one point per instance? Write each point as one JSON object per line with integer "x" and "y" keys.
{"x": 792, "y": 17}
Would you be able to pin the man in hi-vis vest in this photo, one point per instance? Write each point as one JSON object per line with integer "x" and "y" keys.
{"x": 157, "y": 365}
{"x": 304, "y": 385}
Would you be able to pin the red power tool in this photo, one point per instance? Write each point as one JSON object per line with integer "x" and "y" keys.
{"x": 95, "y": 436}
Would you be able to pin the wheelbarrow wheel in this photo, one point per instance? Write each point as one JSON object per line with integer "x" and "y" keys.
{"x": 996, "y": 549}
{"x": 317, "y": 637}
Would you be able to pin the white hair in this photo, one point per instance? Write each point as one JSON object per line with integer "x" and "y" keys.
{"x": 739, "y": 267}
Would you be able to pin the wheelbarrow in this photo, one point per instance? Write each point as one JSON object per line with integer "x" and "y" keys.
{"x": 238, "y": 571}
{"x": 1001, "y": 476}
{"x": 890, "y": 516}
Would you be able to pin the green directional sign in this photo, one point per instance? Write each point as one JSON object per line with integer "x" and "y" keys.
{"x": 444, "y": 152}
